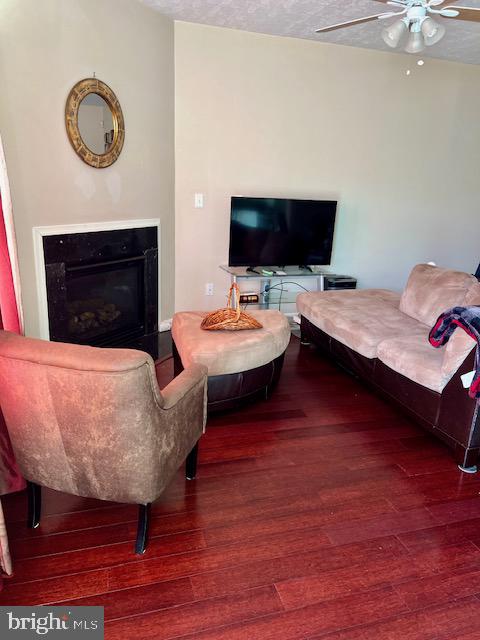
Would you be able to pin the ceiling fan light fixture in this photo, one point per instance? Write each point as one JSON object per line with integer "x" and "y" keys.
{"x": 393, "y": 33}
{"x": 415, "y": 43}
{"x": 414, "y": 22}
{"x": 432, "y": 31}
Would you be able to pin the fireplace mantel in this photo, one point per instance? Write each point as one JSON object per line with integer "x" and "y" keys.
{"x": 39, "y": 233}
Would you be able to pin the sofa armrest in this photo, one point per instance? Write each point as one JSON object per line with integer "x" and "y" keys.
{"x": 180, "y": 386}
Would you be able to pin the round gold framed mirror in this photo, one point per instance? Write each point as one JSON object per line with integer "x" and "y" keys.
{"x": 94, "y": 121}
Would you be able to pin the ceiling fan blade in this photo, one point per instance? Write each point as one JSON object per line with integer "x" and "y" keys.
{"x": 436, "y": 3}
{"x": 470, "y": 14}
{"x": 392, "y": 14}
{"x": 350, "y": 23}
{"x": 449, "y": 13}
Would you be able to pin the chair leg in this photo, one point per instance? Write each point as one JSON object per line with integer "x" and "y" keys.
{"x": 191, "y": 463}
{"x": 142, "y": 529}
{"x": 34, "y": 492}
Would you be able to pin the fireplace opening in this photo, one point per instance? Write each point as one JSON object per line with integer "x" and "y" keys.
{"x": 102, "y": 288}
{"x": 105, "y": 301}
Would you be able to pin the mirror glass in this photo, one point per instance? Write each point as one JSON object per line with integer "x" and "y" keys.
{"x": 95, "y": 123}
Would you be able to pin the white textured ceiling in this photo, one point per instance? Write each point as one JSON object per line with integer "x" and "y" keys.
{"x": 300, "y": 18}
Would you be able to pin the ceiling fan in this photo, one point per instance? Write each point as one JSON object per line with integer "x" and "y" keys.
{"x": 414, "y": 19}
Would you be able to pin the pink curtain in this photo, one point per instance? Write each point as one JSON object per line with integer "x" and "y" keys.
{"x": 8, "y": 299}
{"x": 10, "y": 480}
{"x": 11, "y": 319}
{"x": 5, "y": 559}
{"x": 10, "y": 477}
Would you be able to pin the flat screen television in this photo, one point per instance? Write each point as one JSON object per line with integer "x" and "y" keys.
{"x": 281, "y": 232}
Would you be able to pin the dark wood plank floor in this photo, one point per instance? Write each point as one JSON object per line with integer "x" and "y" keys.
{"x": 320, "y": 513}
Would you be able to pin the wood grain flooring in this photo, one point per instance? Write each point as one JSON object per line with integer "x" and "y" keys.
{"x": 320, "y": 513}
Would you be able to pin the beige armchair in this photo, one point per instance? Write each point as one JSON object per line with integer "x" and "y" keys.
{"x": 93, "y": 422}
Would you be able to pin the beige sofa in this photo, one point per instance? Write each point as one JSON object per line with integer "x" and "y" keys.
{"x": 383, "y": 336}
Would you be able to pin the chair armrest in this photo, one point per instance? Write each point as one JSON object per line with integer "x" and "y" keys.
{"x": 179, "y": 387}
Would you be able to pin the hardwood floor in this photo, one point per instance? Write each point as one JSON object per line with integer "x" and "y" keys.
{"x": 320, "y": 513}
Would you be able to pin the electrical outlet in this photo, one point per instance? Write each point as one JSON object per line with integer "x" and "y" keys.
{"x": 209, "y": 289}
{"x": 165, "y": 325}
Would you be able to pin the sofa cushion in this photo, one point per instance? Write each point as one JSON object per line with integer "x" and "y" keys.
{"x": 415, "y": 358}
{"x": 360, "y": 319}
{"x": 340, "y": 299}
{"x": 431, "y": 290}
{"x": 225, "y": 352}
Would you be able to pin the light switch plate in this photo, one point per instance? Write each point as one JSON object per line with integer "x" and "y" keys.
{"x": 199, "y": 200}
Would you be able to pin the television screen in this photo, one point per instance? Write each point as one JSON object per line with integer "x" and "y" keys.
{"x": 281, "y": 232}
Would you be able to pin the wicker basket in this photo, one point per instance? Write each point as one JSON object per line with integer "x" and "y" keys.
{"x": 230, "y": 319}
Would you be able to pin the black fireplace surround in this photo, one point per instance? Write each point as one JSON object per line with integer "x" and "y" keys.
{"x": 102, "y": 288}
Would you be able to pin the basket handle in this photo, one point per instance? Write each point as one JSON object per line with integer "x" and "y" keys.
{"x": 237, "y": 310}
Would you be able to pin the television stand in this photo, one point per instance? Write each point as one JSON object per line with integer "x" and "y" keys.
{"x": 265, "y": 281}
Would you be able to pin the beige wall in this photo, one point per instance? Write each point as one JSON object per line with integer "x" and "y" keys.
{"x": 260, "y": 115}
{"x": 45, "y": 48}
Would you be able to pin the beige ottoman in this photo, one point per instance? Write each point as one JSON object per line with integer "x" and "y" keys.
{"x": 242, "y": 365}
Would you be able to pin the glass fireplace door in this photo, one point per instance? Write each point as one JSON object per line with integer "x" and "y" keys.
{"x": 105, "y": 302}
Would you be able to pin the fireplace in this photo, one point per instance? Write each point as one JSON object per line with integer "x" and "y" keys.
{"x": 102, "y": 288}
{"x": 105, "y": 301}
